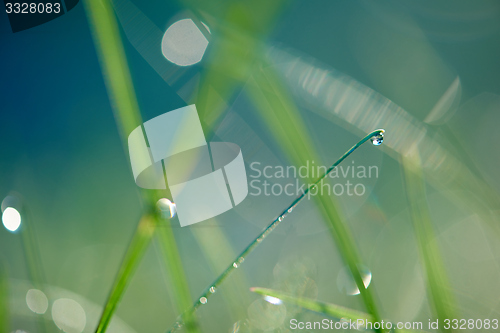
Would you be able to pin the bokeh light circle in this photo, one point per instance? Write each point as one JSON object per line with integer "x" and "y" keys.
{"x": 11, "y": 219}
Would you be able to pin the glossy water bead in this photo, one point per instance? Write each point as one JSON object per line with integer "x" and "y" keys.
{"x": 377, "y": 139}
{"x": 167, "y": 208}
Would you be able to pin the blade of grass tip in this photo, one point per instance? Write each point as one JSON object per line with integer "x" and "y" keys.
{"x": 327, "y": 309}
{"x": 4, "y": 301}
{"x": 135, "y": 252}
{"x": 438, "y": 286}
{"x": 240, "y": 259}
{"x": 284, "y": 122}
{"x": 175, "y": 271}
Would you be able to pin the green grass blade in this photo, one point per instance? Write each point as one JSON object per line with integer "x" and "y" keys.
{"x": 120, "y": 89}
{"x": 438, "y": 286}
{"x": 283, "y": 119}
{"x": 114, "y": 65}
{"x": 218, "y": 251}
{"x": 4, "y": 301}
{"x": 182, "y": 296}
{"x": 249, "y": 249}
{"x": 327, "y": 309}
{"x": 140, "y": 241}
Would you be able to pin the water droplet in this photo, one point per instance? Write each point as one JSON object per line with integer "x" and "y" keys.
{"x": 280, "y": 218}
{"x": 177, "y": 326}
{"x": 212, "y": 289}
{"x": 167, "y": 208}
{"x": 290, "y": 210}
{"x": 203, "y": 300}
{"x": 235, "y": 264}
{"x": 346, "y": 283}
{"x": 272, "y": 300}
{"x": 241, "y": 259}
{"x": 377, "y": 139}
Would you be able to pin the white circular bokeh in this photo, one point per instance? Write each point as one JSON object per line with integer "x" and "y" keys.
{"x": 69, "y": 315}
{"x": 11, "y": 219}
{"x": 183, "y": 43}
{"x": 37, "y": 301}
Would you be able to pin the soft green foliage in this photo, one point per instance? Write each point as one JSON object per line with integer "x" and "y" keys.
{"x": 332, "y": 310}
{"x": 438, "y": 286}
{"x": 327, "y": 309}
{"x": 175, "y": 271}
{"x": 121, "y": 92}
{"x": 4, "y": 301}
{"x": 284, "y": 121}
{"x": 114, "y": 65}
{"x": 135, "y": 252}
{"x": 277, "y": 109}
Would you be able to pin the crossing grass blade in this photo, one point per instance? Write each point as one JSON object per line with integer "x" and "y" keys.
{"x": 438, "y": 286}
{"x": 260, "y": 237}
{"x": 327, "y": 309}
{"x": 122, "y": 95}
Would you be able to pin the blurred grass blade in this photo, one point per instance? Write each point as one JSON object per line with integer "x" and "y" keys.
{"x": 114, "y": 65}
{"x": 327, "y": 309}
{"x": 120, "y": 89}
{"x": 135, "y": 252}
{"x": 438, "y": 286}
{"x": 33, "y": 259}
{"x": 332, "y": 310}
{"x": 4, "y": 301}
{"x": 31, "y": 250}
{"x": 175, "y": 271}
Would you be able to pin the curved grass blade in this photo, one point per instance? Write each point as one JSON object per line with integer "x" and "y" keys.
{"x": 438, "y": 286}
{"x": 327, "y": 309}
{"x": 240, "y": 259}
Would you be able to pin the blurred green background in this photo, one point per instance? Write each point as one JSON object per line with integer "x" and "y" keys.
{"x": 62, "y": 154}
